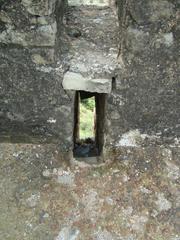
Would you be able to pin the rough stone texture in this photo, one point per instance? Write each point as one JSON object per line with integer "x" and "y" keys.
{"x": 38, "y": 46}
{"x": 39, "y": 37}
{"x": 27, "y": 28}
{"x": 130, "y": 199}
{"x": 75, "y": 81}
{"x": 93, "y": 52}
{"x": 89, "y": 2}
{"x": 40, "y": 7}
{"x": 32, "y": 100}
{"x": 147, "y": 94}
{"x": 33, "y": 105}
{"x": 134, "y": 196}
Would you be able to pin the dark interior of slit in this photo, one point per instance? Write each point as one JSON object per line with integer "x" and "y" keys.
{"x": 88, "y": 124}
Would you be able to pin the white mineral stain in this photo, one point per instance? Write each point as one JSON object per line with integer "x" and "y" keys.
{"x": 131, "y": 138}
{"x": 162, "y": 203}
{"x": 68, "y": 234}
{"x": 51, "y": 120}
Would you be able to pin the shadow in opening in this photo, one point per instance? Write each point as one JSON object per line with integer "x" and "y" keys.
{"x": 88, "y": 124}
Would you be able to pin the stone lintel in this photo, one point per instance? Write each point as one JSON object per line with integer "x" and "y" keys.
{"x": 98, "y": 3}
{"x": 75, "y": 81}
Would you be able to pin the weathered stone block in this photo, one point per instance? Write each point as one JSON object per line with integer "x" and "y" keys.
{"x": 4, "y": 17}
{"x": 164, "y": 39}
{"x": 43, "y": 56}
{"x": 75, "y": 81}
{"x": 144, "y": 11}
{"x": 136, "y": 39}
{"x": 44, "y": 35}
{"x": 89, "y": 2}
{"x": 39, "y": 7}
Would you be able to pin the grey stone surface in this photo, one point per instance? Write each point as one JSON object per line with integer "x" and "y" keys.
{"x": 94, "y": 53}
{"x": 31, "y": 93}
{"x": 40, "y": 7}
{"x": 147, "y": 83}
{"x": 100, "y": 3}
{"x": 75, "y": 81}
{"x": 136, "y": 196}
{"x": 40, "y": 36}
{"x": 38, "y": 44}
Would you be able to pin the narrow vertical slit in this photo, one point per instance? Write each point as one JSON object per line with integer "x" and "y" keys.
{"x": 76, "y": 118}
{"x": 89, "y": 124}
{"x": 87, "y": 116}
{"x": 113, "y": 83}
{"x": 100, "y": 121}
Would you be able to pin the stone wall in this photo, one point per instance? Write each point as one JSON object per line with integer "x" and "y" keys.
{"x": 33, "y": 105}
{"x": 146, "y": 98}
{"x": 143, "y": 107}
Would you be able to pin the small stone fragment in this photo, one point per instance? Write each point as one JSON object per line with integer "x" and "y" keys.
{"x": 33, "y": 200}
{"x": 68, "y": 233}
